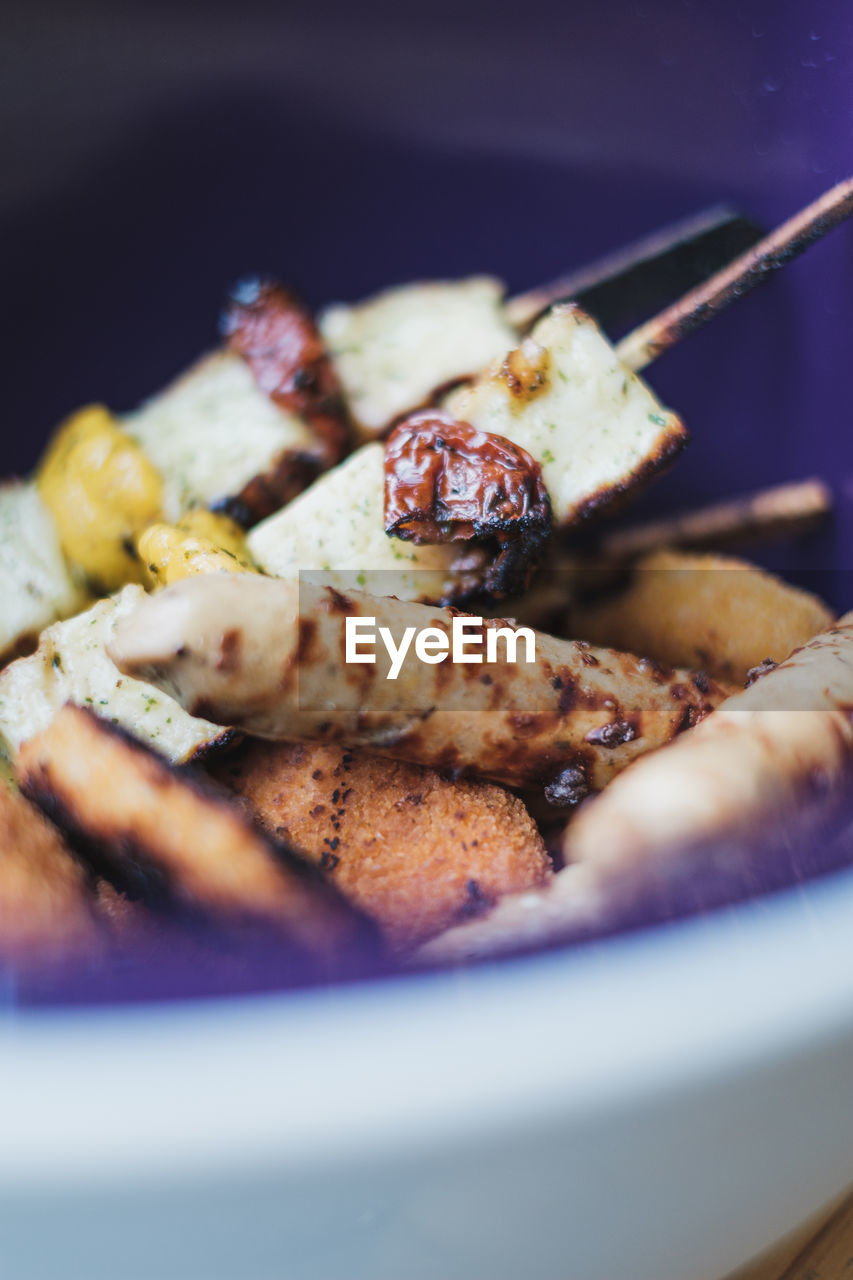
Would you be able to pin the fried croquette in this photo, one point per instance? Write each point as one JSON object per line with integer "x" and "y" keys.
{"x": 414, "y": 850}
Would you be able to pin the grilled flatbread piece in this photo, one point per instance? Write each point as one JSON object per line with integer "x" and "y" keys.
{"x": 772, "y": 765}
{"x": 776, "y": 757}
{"x": 45, "y": 906}
{"x": 129, "y": 805}
{"x": 715, "y": 612}
{"x": 268, "y": 656}
{"x": 417, "y": 852}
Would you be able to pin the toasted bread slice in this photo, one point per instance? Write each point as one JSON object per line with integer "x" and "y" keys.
{"x": 127, "y": 803}
{"x": 124, "y": 918}
{"x": 45, "y": 905}
{"x": 415, "y": 851}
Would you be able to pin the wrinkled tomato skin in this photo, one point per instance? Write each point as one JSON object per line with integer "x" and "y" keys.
{"x": 445, "y": 481}
{"x": 276, "y": 335}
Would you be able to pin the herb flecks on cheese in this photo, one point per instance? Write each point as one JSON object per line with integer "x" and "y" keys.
{"x": 35, "y": 583}
{"x": 71, "y": 665}
{"x": 212, "y": 431}
{"x": 564, "y": 396}
{"x": 392, "y": 351}
{"x": 337, "y": 528}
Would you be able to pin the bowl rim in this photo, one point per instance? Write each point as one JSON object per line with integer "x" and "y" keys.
{"x": 395, "y": 1067}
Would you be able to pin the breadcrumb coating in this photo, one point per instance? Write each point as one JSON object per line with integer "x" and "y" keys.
{"x": 412, "y": 849}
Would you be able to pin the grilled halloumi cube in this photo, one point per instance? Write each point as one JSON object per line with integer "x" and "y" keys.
{"x": 563, "y": 395}
{"x": 35, "y": 583}
{"x": 213, "y": 431}
{"x": 393, "y": 351}
{"x": 71, "y": 665}
{"x": 595, "y": 428}
{"x": 337, "y": 528}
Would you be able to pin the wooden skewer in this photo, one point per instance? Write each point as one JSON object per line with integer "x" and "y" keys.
{"x": 656, "y": 267}
{"x": 784, "y": 510}
{"x": 701, "y": 304}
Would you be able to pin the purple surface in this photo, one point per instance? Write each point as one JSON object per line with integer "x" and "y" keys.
{"x": 152, "y": 155}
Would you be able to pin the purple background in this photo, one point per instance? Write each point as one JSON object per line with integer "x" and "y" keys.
{"x": 151, "y": 153}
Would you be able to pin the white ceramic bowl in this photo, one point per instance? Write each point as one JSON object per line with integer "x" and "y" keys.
{"x": 660, "y": 1106}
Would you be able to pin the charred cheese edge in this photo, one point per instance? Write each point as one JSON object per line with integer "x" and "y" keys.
{"x": 335, "y": 530}
{"x": 212, "y": 431}
{"x": 563, "y": 395}
{"x": 71, "y": 665}
{"x": 392, "y": 351}
{"x": 35, "y": 583}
